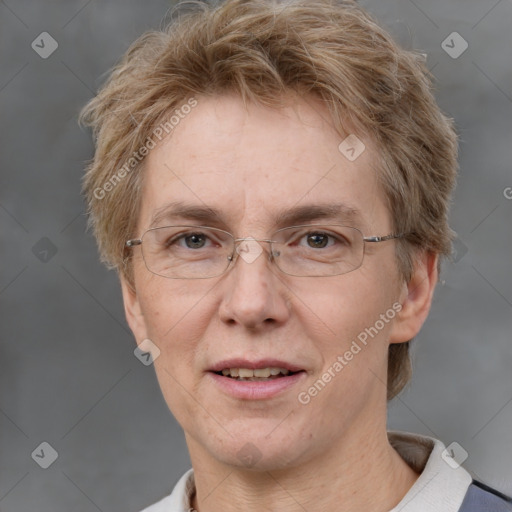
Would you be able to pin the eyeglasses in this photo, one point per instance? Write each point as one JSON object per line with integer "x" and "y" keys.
{"x": 201, "y": 252}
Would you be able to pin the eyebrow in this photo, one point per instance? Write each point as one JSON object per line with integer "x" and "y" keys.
{"x": 178, "y": 210}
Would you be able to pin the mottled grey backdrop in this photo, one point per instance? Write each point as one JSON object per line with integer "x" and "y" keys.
{"x": 68, "y": 375}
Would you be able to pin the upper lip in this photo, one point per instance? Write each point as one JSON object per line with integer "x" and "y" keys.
{"x": 259, "y": 363}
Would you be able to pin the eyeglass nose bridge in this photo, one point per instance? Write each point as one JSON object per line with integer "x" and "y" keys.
{"x": 249, "y": 259}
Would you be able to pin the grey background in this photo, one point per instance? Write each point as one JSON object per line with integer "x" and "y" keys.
{"x": 68, "y": 375}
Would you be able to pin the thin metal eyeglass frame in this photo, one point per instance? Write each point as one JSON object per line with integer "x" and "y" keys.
{"x": 371, "y": 239}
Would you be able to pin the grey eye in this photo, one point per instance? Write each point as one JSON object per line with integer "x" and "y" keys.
{"x": 195, "y": 241}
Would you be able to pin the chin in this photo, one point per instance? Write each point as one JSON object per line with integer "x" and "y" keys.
{"x": 256, "y": 452}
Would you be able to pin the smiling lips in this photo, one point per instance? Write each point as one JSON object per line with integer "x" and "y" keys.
{"x": 242, "y": 369}
{"x": 255, "y": 380}
{"x": 254, "y": 374}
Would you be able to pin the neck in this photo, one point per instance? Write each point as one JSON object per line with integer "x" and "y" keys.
{"x": 358, "y": 473}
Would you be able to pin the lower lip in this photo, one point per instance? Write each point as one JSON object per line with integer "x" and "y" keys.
{"x": 256, "y": 390}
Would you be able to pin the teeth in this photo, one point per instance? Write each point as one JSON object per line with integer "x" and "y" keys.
{"x": 263, "y": 372}
{"x": 248, "y": 373}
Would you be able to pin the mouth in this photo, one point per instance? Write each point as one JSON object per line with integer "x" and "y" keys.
{"x": 255, "y": 380}
{"x": 256, "y": 374}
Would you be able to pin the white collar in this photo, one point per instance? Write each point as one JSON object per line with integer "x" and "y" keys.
{"x": 439, "y": 486}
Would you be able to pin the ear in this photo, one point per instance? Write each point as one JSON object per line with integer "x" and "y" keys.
{"x": 133, "y": 311}
{"x": 416, "y": 298}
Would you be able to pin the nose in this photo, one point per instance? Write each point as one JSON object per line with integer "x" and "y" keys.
{"x": 253, "y": 292}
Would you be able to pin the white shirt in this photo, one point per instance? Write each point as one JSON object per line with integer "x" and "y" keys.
{"x": 441, "y": 486}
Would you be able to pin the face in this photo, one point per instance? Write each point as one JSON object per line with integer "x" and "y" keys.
{"x": 250, "y": 165}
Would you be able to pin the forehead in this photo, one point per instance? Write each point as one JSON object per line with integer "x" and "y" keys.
{"x": 253, "y": 166}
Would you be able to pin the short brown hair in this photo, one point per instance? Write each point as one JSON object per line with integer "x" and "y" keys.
{"x": 261, "y": 50}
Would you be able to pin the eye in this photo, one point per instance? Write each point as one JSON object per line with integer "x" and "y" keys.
{"x": 321, "y": 240}
{"x": 190, "y": 240}
{"x": 317, "y": 240}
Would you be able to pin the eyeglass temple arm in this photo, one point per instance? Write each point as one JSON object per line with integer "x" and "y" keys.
{"x": 381, "y": 238}
{"x": 132, "y": 243}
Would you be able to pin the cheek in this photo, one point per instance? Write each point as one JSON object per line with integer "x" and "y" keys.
{"x": 176, "y": 320}
{"x": 353, "y": 353}
{"x": 169, "y": 306}
{"x": 344, "y": 307}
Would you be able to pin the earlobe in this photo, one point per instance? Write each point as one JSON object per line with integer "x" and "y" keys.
{"x": 133, "y": 311}
{"x": 416, "y": 298}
